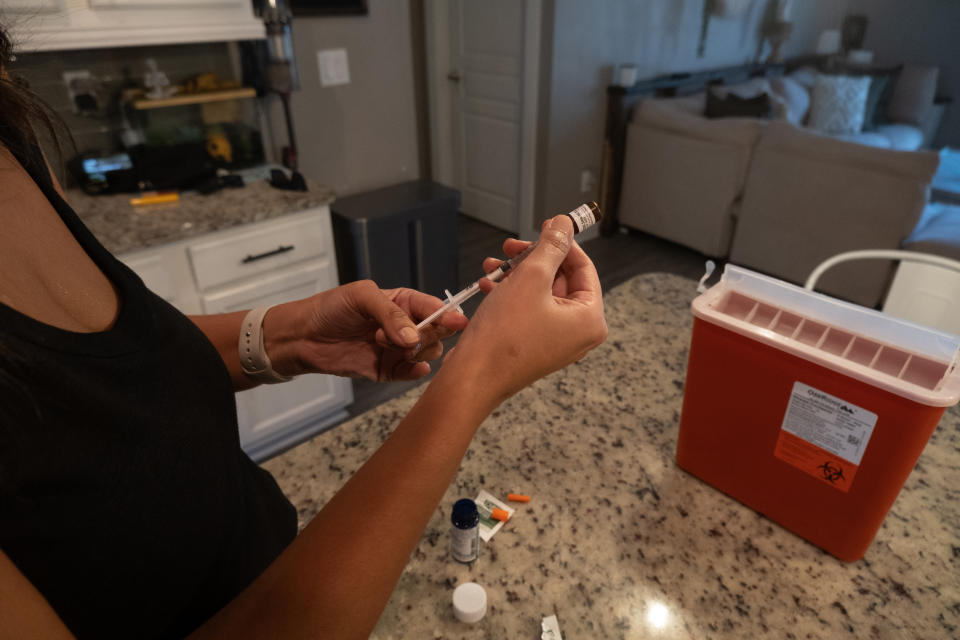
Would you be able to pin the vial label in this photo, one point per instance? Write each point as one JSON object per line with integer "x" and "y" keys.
{"x": 464, "y": 544}
{"x": 583, "y": 217}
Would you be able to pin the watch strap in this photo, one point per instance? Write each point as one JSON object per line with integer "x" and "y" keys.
{"x": 253, "y": 355}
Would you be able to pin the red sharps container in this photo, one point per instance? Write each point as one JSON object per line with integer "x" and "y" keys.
{"x": 810, "y": 410}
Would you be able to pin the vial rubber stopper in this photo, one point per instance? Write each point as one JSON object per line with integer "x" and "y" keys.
{"x": 469, "y": 602}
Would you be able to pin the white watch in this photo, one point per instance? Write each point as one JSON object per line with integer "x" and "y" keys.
{"x": 253, "y": 355}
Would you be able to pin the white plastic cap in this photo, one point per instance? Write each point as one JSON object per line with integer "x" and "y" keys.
{"x": 469, "y": 602}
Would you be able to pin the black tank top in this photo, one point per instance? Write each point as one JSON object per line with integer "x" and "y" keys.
{"x": 124, "y": 495}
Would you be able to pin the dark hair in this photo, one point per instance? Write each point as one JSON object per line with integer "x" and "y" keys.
{"x": 23, "y": 115}
{"x": 26, "y": 121}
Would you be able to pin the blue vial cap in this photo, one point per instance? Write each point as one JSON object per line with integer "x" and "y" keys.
{"x": 465, "y": 514}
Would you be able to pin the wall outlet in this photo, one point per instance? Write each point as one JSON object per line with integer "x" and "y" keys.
{"x": 334, "y": 68}
{"x": 81, "y": 89}
{"x": 587, "y": 181}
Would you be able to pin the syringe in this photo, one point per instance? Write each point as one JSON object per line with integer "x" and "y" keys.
{"x": 583, "y": 217}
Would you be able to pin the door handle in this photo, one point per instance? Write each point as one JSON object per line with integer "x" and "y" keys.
{"x": 261, "y": 256}
{"x": 453, "y": 76}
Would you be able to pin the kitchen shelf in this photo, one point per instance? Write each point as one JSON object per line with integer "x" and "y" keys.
{"x": 195, "y": 98}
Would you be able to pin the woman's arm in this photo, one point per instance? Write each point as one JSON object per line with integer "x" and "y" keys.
{"x": 336, "y": 577}
{"x": 223, "y": 331}
{"x": 24, "y": 613}
{"x": 356, "y": 330}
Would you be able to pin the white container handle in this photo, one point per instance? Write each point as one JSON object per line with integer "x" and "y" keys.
{"x": 879, "y": 254}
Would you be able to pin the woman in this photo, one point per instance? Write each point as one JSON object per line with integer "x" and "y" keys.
{"x": 127, "y": 507}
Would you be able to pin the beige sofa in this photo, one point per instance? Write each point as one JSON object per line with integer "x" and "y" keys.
{"x": 769, "y": 195}
{"x": 683, "y": 174}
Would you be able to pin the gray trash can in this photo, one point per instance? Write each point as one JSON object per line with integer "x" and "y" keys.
{"x": 404, "y": 235}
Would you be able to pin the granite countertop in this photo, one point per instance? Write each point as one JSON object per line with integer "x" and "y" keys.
{"x": 122, "y": 227}
{"x": 619, "y": 542}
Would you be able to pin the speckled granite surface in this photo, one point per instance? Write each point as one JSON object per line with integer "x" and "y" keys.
{"x": 618, "y": 541}
{"x": 122, "y": 228}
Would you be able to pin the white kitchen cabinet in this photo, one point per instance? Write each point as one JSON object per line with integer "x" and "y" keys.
{"x": 56, "y": 25}
{"x": 258, "y": 250}
{"x": 215, "y": 274}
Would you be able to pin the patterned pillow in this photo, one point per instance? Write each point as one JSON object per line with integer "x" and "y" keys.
{"x": 839, "y": 103}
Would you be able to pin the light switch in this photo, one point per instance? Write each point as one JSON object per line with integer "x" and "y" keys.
{"x": 333, "y": 66}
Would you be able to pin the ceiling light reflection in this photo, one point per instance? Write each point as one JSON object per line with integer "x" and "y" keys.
{"x": 658, "y": 615}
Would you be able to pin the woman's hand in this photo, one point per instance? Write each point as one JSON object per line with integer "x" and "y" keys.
{"x": 545, "y": 315}
{"x": 358, "y": 330}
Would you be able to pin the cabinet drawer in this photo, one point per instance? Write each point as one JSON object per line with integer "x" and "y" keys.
{"x": 242, "y": 255}
{"x": 271, "y": 417}
{"x": 288, "y": 285}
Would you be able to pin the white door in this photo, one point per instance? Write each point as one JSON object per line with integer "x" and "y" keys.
{"x": 273, "y": 416}
{"x": 484, "y": 81}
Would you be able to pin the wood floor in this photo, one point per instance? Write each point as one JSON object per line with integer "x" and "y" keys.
{"x": 618, "y": 258}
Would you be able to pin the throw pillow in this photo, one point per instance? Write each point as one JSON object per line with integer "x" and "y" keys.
{"x": 748, "y": 89}
{"x": 795, "y": 96}
{"x": 881, "y": 88}
{"x": 913, "y": 94}
{"x": 839, "y": 104}
{"x": 753, "y": 88}
{"x": 692, "y": 104}
{"x": 805, "y": 76}
{"x": 733, "y": 106}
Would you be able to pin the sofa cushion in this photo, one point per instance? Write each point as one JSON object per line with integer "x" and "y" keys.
{"x": 682, "y": 174}
{"x": 681, "y": 188}
{"x": 664, "y": 114}
{"x": 902, "y": 137}
{"x": 839, "y": 104}
{"x": 913, "y": 94}
{"x": 809, "y": 197}
{"x": 878, "y": 97}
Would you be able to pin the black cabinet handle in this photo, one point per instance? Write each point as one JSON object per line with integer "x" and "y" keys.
{"x": 275, "y": 252}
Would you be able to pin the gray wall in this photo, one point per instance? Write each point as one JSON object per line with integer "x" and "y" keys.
{"x": 660, "y": 36}
{"x": 921, "y": 31}
{"x": 361, "y": 135}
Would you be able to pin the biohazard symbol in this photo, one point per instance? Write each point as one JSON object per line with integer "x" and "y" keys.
{"x": 831, "y": 472}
